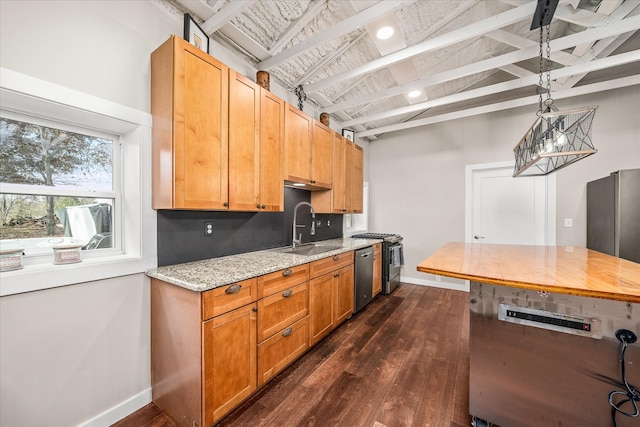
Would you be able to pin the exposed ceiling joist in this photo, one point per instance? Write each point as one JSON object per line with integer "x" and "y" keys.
{"x": 297, "y": 26}
{"x": 350, "y": 24}
{"x": 612, "y": 61}
{"x": 244, "y": 41}
{"x": 520, "y": 42}
{"x": 628, "y": 24}
{"x": 456, "y": 36}
{"x": 501, "y": 106}
{"x": 199, "y": 7}
{"x": 582, "y": 17}
{"x": 215, "y": 22}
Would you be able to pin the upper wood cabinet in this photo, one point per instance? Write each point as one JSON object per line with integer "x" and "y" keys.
{"x": 189, "y": 104}
{"x": 321, "y": 141}
{"x": 256, "y": 144}
{"x": 307, "y": 158}
{"x": 347, "y": 180}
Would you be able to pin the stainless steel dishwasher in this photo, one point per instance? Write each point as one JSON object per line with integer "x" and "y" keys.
{"x": 363, "y": 277}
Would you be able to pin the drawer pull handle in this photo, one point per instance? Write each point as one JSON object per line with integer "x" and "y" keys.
{"x": 336, "y": 275}
{"x": 287, "y": 332}
{"x": 287, "y": 293}
{"x": 336, "y": 257}
{"x": 233, "y": 289}
{"x": 287, "y": 272}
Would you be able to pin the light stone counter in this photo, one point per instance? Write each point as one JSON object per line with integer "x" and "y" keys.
{"x": 215, "y": 272}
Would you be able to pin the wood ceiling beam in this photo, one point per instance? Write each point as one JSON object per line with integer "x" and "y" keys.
{"x": 612, "y": 61}
{"x": 219, "y": 19}
{"x": 476, "y": 29}
{"x": 622, "y": 27}
{"x": 501, "y": 106}
{"x": 356, "y": 21}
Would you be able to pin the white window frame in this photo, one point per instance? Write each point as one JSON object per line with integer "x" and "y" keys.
{"x": 26, "y": 95}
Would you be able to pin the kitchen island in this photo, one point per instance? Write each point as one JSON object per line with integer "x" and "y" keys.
{"x": 543, "y": 341}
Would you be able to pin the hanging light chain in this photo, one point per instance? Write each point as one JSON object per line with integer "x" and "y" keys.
{"x": 549, "y": 100}
{"x": 540, "y": 68}
{"x": 546, "y": 105}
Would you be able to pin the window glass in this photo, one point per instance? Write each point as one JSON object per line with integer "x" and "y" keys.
{"x": 65, "y": 187}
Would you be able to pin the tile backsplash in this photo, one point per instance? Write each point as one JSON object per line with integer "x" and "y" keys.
{"x": 181, "y": 236}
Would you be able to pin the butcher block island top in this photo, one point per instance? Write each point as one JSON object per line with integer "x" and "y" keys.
{"x": 560, "y": 269}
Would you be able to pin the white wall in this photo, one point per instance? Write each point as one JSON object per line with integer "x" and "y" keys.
{"x": 417, "y": 183}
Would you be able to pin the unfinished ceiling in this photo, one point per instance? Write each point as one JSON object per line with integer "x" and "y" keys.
{"x": 459, "y": 57}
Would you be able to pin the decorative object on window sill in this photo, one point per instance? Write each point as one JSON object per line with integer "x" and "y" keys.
{"x": 66, "y": 254}
{"x": 194, "y": 34}
{"x": 325, "y": 119}
{"x": 349, "y": 134}
{"x": 557, "y": 138}
{"x": 302, "y": 96}
{"x": 262, "y": 78}
{"x": 10, "y": 259}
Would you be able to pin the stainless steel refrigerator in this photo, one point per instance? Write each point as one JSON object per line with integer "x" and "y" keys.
{"x": 613, "y": 214}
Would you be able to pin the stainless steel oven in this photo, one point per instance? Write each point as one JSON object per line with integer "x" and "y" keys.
{"x": 392, "y": 258}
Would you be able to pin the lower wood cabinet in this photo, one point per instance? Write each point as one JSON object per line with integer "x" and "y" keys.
{"x": 377, "y": 269}
{"x": 211, "y": 350}
{"x": 229, "y": 362}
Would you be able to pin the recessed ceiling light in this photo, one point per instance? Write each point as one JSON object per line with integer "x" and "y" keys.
{"x": 384, "y": 33}
{"x": 414, "y": 93}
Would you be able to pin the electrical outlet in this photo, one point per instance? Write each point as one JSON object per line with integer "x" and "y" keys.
{"x": 568, "y": 222}
{"x": 318, "y": 224}
{"x": 438, "y": 278}
{"x": 328, "y": 223}
{"x": 208, "y": 228}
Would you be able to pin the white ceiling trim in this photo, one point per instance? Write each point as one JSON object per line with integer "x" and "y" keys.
{"x": 624, "y": 26}
{"x": 350, "y": 24}
{"x": 611, "y": 61}
{"x": 569, "y": 93}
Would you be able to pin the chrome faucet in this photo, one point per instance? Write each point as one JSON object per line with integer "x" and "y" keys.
{"x": 295, "y": 216}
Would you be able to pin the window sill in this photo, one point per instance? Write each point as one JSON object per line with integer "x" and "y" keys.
{"x": 48, "y": 275}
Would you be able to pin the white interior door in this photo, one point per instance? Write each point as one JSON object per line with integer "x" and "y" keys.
{"x": 506, "y": 210}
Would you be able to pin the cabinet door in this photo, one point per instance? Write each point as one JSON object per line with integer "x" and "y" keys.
{"x": 230, "y": 366}
{"x": 297, "y": 145}
{"x": 201, "y": 130}
{"x": 343, "y": 294}
{"x": 377, "y": 269}
{"x": 271, "y": 152}
{"x": 357, "y": 179}
{"x": 338, "y": 166}
{"x": 320, "y": 308}
{"x": 244, "y": 143}
{"x": 348, "y": 175}
{"x": 321, "y": 155}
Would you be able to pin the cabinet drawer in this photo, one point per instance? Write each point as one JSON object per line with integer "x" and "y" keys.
{"x": 283, "y": 279}
{"x": 280, "y": 350}
{"x": 326, "y": 265}
{"x": 282, "y": 309}
{"x": 226, "y": 298}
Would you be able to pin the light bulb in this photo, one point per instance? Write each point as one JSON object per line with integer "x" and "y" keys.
{"x": 384, "y": 33}
{"x": 560, "y": 140}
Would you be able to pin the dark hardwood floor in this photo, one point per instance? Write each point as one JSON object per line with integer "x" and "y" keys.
{"x": 402, "y": 361}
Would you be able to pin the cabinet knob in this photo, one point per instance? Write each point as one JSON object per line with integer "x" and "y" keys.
{"x": 233, "y": 289}
{"x": 254, "y": 309}
{"x": 336, "y": 275}
{"x": 336, "y": 257}
{"x": 258, "y": 206}
{"x": 313, "y": 181}
{"x": 287, "y": 293}
{"x": 287, "y": 332}
{"x": 287, "y": 272}
{"x": 263, "y": 206}
{"x": 225, "y": 204}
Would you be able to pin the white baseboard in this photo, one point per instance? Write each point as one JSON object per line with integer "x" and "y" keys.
{"x": 120, "y": 411}
{"x": 445, "y": 285}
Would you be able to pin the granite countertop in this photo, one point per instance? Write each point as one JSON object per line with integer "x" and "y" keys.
{"x": 215, "y": 272}
{"x": 560, "y": 269}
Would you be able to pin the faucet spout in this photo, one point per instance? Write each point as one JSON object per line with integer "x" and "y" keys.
{"x": 298, "y": 241}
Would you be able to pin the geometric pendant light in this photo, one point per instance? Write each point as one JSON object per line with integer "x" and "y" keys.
{"x": 557, "y": 138}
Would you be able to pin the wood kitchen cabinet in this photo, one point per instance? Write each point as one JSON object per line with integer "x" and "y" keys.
{"x": 256, "y": 147}
{"x": 189, "y": 104}
{"x": 203, "y": 349}
{"x": 346, "y": 194}
{"x": 331, "y": 294}
{"x": 307, "y": 157}
{"x": 377, "y": 269}
{"x": 283, "y": 315}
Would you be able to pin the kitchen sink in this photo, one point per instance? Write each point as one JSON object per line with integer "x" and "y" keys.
{"x": 309, "y": 249}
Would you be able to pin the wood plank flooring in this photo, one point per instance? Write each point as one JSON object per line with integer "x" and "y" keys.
{"x": 402, "y": 361}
